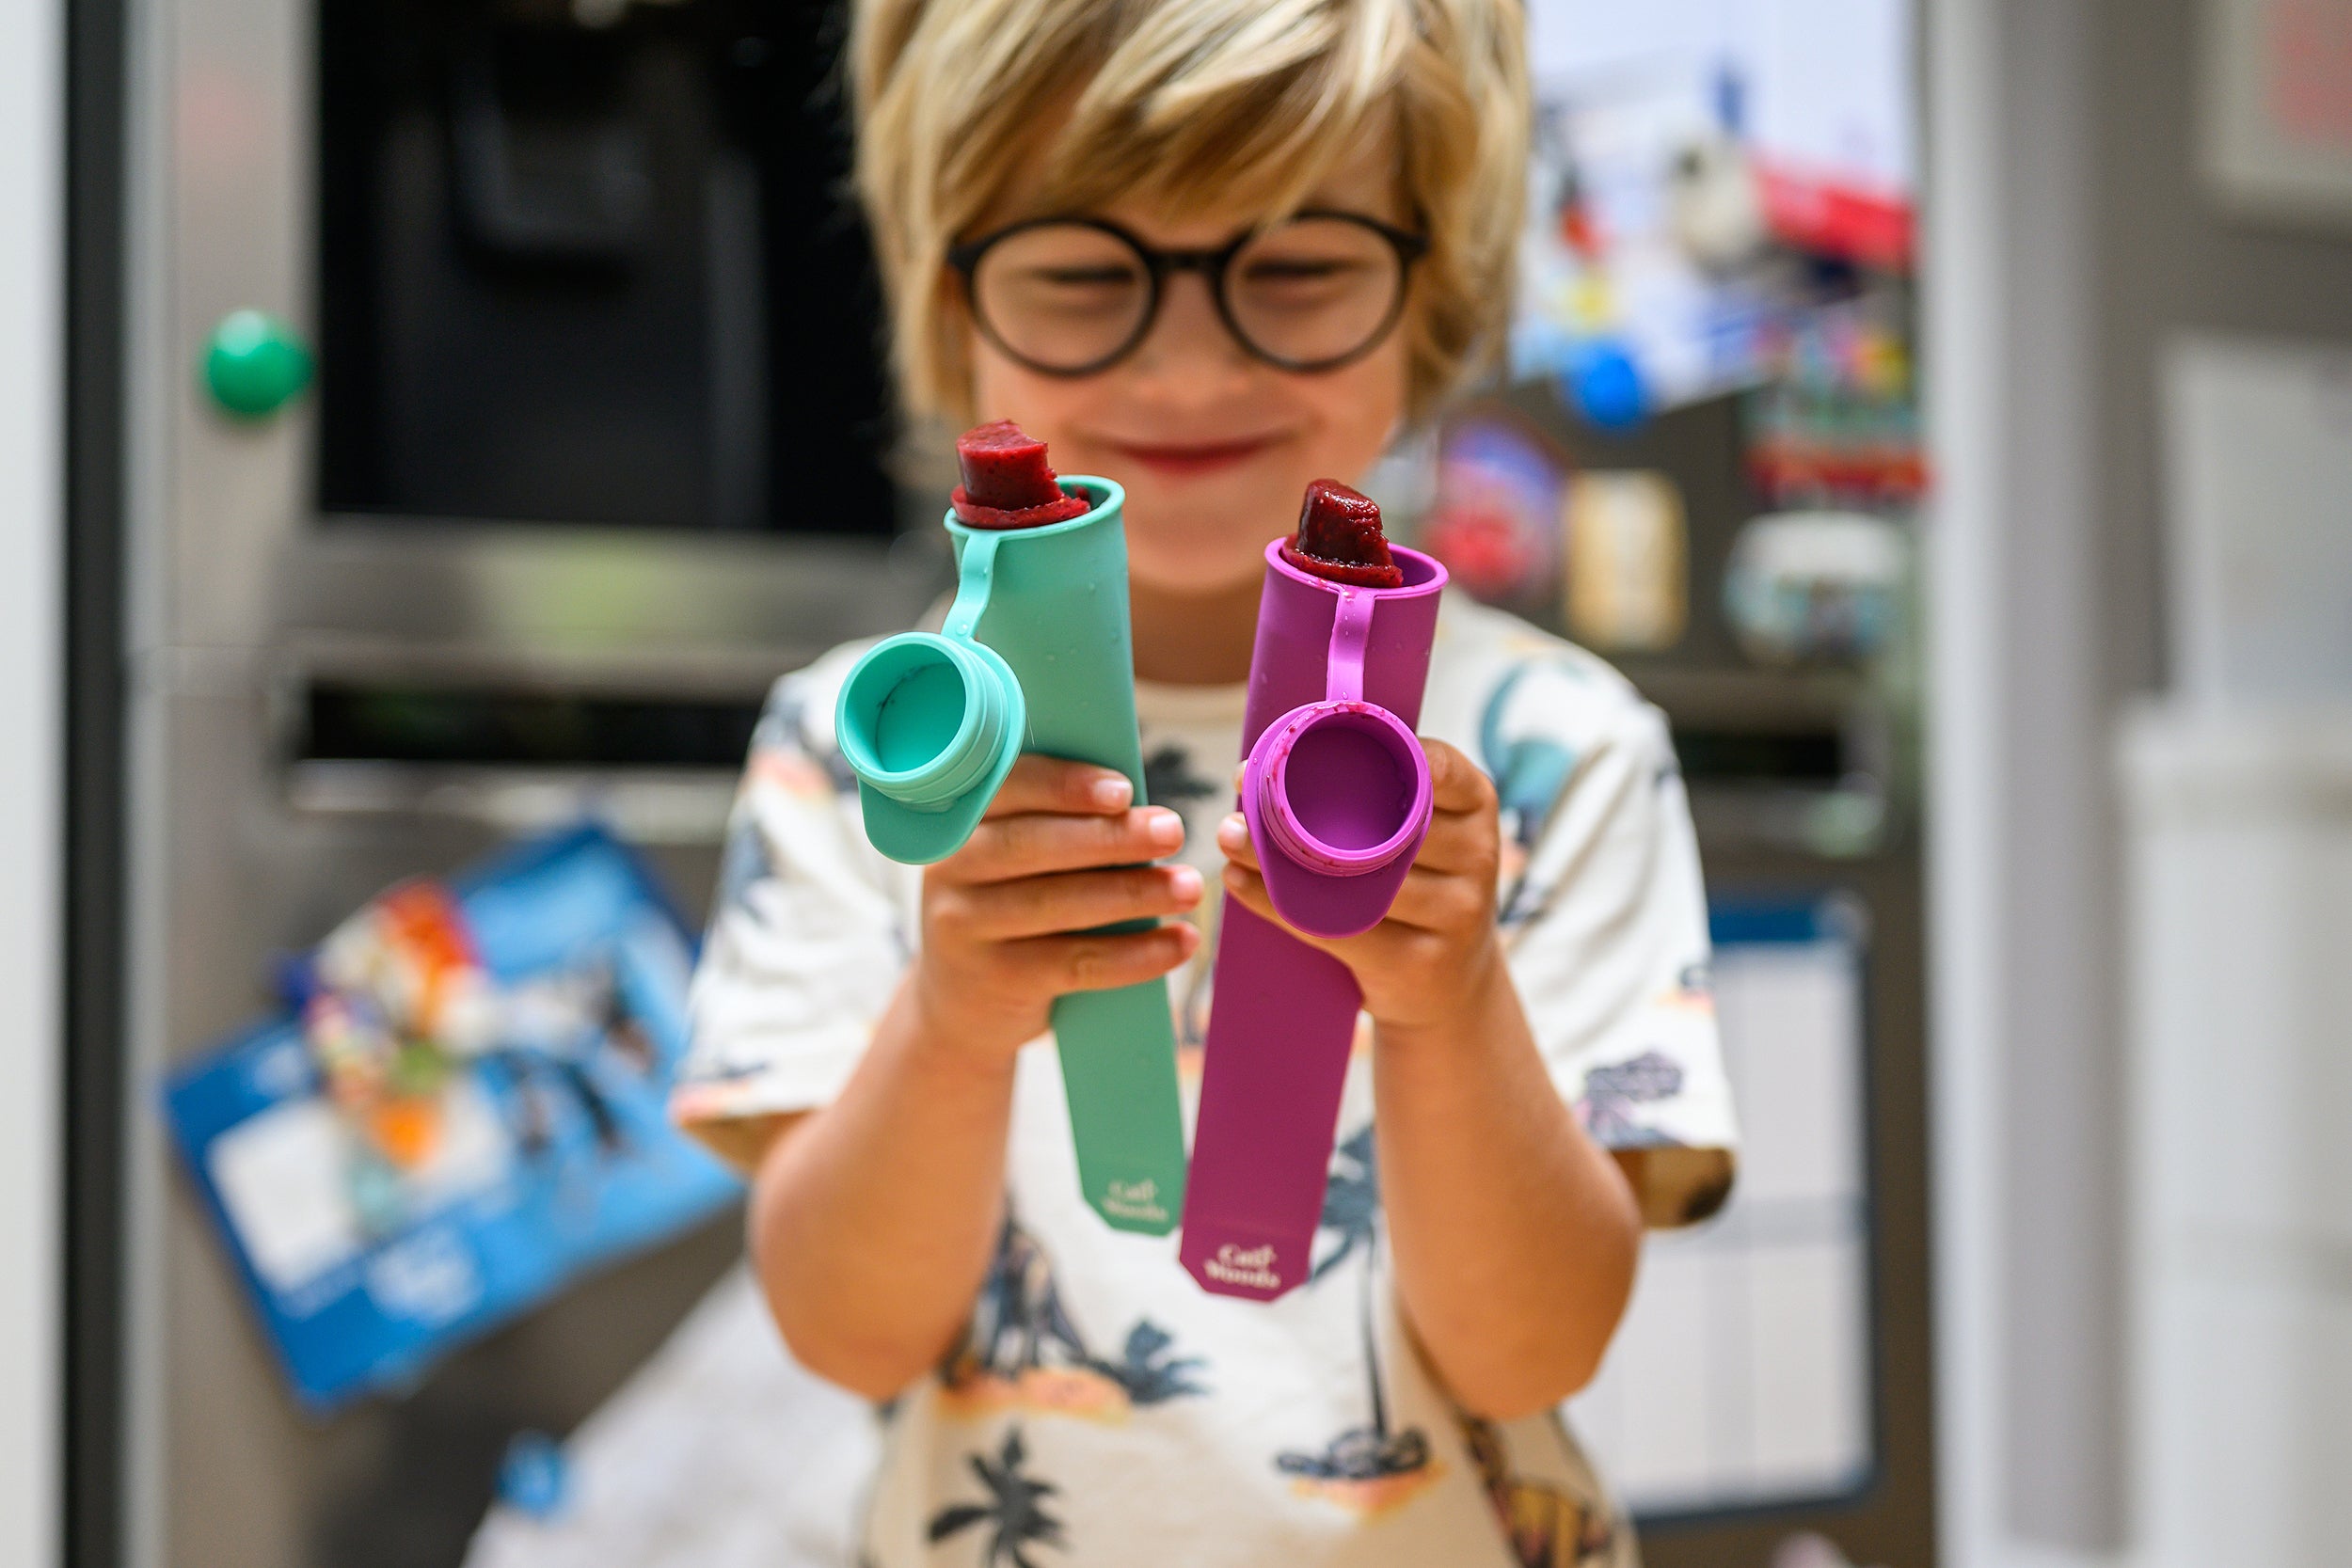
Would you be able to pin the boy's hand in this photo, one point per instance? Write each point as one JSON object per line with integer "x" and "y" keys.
{"x": 1429, "y": 962}
{"x": 1060, "y": 851}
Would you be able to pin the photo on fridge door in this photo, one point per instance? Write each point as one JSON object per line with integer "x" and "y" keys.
{"x": 462, "y": 1110}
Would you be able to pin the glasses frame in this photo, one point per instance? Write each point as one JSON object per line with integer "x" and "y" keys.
{"x": 1214, "y": 265}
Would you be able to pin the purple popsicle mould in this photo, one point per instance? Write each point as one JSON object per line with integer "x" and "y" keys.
{"x": 1336, "y": 792}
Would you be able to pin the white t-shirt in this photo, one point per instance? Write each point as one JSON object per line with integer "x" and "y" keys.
{"x": 1105, "y": 1410}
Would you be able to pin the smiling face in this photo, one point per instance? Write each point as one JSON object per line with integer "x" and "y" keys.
{"x": 1215, "y": 447}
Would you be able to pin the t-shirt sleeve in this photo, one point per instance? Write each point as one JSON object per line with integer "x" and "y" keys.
{"x": 1604, "y": 916}
{"x": 805, "y": 941}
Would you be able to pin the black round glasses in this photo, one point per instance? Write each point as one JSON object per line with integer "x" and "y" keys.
{"x": 1074, "y": 295}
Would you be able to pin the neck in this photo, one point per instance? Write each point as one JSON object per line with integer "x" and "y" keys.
{"x": 1194, "y": 639}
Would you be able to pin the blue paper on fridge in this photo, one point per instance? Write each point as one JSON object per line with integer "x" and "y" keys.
{"x": 462, "y": 1110}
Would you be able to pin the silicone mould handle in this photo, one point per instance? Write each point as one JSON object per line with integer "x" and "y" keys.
{"x": 1336, "y": 792}
{"x": 1036, "y": 656}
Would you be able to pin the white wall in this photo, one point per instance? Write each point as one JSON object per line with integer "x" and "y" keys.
{"x": 31, "y": 766}
{"x": 2027, "y": 1222}
{"x": 2069, "y": 244}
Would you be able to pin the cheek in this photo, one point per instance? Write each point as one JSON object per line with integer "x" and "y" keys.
{"x": 1046, "y": 407}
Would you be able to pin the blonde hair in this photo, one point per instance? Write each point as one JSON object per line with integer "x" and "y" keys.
{"x": 1205, "y": 107}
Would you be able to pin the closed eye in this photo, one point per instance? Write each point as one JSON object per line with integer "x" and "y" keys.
{"x": 1303, "y": 267}
{"x": 1081, "y": 277}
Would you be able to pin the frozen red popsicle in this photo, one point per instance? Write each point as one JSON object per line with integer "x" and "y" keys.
{"x": 1339, "y": 538}
{"x": 1007, "y": 482}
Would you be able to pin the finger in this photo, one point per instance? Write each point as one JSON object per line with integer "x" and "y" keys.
{"x": 1062, "y": 964}
{"x": 1466, "y": 844}
{"x": 1057, "y": 785}
{"x": 1456, "y": 784}
{"x": 1233, "y": 837}
{"x": 1379, "y": 948}
{"x": 1247, "y": 888}
{"x": 1438, "y": 907}
{"x": 1431, "y": 900}
{"x": 1069, "y": 901}
{"x": 1035, "y": 844}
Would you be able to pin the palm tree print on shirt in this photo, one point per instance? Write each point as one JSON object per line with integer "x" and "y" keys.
{"x": 744, "y": 862}
{"x": 1169, "y": 780}
{"x": 784, "y": 729}
{"x": 1530, "y": 774}
{"x": 1351, "y": 1203}
{"x": 1611, "y": 1092}
{"x": 1023, "y": 1351}
{"x": 1148, "y": 1370}
{"x": 1369, "y": 1469}
{"x": 1014, "y": 1513}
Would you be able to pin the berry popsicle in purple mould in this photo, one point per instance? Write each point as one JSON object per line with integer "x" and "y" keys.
{"x": 1340, "y": 538}
{"x": 1337, "y": 795}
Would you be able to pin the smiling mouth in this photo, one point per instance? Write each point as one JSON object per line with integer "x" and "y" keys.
{"x": 1189, "y": 460}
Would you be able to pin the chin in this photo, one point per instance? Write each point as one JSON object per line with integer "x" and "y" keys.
{"x": 1211, "y": 523}
{"x": 1176, "y": 565}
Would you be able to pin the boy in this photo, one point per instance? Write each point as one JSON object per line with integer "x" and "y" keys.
{"x": 1212, "y": 249}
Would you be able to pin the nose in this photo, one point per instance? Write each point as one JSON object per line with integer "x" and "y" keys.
{"x": 1189, "y": 348}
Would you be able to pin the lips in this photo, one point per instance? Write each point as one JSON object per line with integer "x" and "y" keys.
{"x": 1189, "y": 460}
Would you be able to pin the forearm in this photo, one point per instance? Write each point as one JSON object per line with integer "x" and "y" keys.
{"x": 1515, "y": 1235}
{"x": 872, "y": 1222}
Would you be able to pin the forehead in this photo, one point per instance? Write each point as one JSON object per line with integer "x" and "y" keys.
{"x": 1368, "y": 177}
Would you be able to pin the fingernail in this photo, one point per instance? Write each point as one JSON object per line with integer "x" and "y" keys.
{"x": 1166, "y": 828}
{"x": 1185, "y": 883}
{"x": 1233, "y": 832}
{"x": 1112, "y": 793}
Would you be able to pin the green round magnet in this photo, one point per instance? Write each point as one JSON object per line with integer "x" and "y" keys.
{"x": 255, "y": 363}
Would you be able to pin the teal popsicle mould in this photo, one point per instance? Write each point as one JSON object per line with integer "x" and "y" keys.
{"x": 1036, "y": 656}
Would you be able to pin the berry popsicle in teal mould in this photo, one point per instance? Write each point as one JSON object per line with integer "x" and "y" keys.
{"x": 1036, "y": 656}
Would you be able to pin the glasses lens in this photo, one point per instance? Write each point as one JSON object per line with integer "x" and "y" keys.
{"x": 1062, "y": 295}
{"x": 1315, "y": 290}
